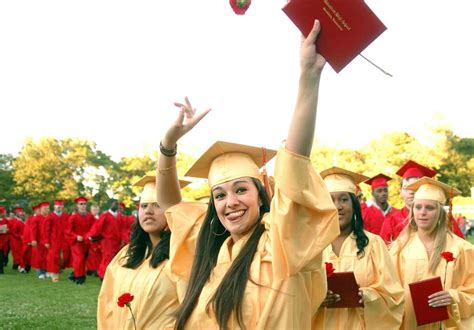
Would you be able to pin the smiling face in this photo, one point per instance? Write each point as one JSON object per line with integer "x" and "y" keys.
{"x": 426, "y": 214}
{"x": 151, "y": 218}
{"x": 343, "y": 203}
{"x": 237, "y": 205}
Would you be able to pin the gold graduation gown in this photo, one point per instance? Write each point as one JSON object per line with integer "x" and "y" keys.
{"x": 155, "y": 297}
{"x": 382, "y": 291}
{"x": 412, "y": 263}
{"x": 287, "y": 265}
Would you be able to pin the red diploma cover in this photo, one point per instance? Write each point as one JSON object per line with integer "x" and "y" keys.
{"x": 347, "y": 27}
{"x": 344, "y": 284}
{"x": 419, "y": 295}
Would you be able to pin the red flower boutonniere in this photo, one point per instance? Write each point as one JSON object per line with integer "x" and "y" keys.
{"x": 329, "y": 269}
{"x": 240, "y": 6}
{"x": 448, "y": 256}
{"x": 125, "y": 300}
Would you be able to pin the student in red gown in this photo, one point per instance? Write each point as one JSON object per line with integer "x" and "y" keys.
{"x": 375, "y": 214}
{"x": 127, "y": 222}
{"x": 38, "y": 240}
{"x": 26, "y": 242}
{"x": 109, "y": 230}
{"x": 77, "y": 228}
{"x": 4, "y": 236}
{"x": 94, "y": 254}
{"x": 16, "y": 236}
{"x": 55, "y": 227}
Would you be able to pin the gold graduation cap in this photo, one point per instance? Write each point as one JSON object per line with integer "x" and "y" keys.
{"x": 148, "y": 182}
{"x": 225, "y": 161}
{"x": 338, "y": 179}
{"x": 428, "y": 188}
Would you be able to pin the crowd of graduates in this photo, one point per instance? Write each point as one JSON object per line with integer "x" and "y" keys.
{"x": 51, "y": 241}
{"x": 259, "y": 255}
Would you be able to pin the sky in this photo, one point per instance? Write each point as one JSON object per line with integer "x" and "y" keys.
{"x": 109, "y": 71}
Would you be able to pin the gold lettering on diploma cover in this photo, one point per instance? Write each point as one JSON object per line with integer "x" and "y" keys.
{"x": 335, "y": 16}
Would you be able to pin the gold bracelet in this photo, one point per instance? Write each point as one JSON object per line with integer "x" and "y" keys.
{"x": 164, "y": 170}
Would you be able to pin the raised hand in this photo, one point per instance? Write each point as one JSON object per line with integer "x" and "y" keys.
{"x": 310, "y": 59}
{"x": 303, "y": 122}
{"x": 187, "y": 119}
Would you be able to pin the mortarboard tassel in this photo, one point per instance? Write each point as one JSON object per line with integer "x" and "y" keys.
{"x": 266, "y": 182}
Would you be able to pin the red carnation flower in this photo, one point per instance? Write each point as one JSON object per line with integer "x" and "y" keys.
{"x": 448, "y": 256}
{"x": 240, "y": 6}
{"x": 124, "y": 299}
{"x": 329, "y": 269}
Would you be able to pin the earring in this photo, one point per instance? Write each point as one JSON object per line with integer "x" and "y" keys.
{"x": 212, "y": 229}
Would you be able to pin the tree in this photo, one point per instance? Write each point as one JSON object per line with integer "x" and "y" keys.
{"x": 57, "y": 169}
{"x": 126, "y": 173}
{"x": 382, "y": 155}
{"x": 389, "y": 152}
{"x": 131, "y": 169}
{"x": 6, "y": 179}
{"x": 457, "y": 165}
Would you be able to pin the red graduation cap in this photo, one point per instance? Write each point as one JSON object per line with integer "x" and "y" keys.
{"x": 380, "y": 180}
{"x": 80, "y": 199}
{"x": 42, "y": 204}
{"x": 412, "y": 169}
{"x": 121, "y": 205}
{"x": 2, "y": 209}
{"x": 59, "y": 202}
{"x": 18, "y": 209}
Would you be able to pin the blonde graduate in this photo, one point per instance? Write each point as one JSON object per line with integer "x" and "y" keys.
{"x": 417, "y": 256}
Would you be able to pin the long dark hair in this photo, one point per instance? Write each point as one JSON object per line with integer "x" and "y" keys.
{"x": 358, "y": 226}
{"x": 230, "y": 292}
{"x": 140, "y": 247}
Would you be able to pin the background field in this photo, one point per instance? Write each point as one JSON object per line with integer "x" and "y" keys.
{"x": 29, "y": 303}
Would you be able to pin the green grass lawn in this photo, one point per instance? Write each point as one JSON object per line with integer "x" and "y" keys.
{"x": 470, "y": 239}
{"x": 29, "y": 303}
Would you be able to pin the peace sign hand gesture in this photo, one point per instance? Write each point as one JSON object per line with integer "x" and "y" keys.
{"x": 187, "y": 119}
